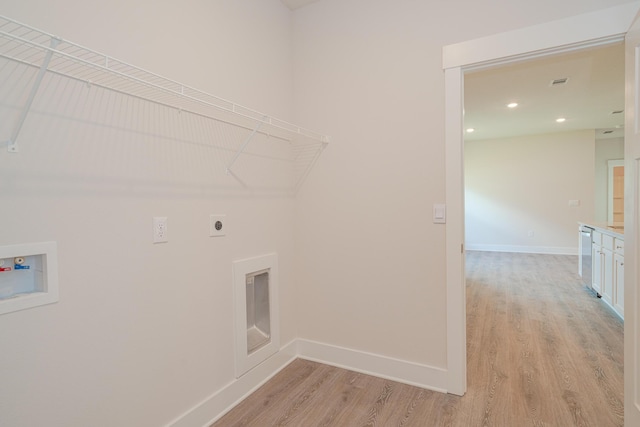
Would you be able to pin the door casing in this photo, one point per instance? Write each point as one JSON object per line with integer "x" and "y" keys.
{"x": 566, "y": 35}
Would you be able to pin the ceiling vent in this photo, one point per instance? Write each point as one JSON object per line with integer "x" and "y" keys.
{"x": 559, "y": 82}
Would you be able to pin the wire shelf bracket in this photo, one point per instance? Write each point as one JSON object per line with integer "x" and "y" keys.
{"x": 242, "y": 147}
{"x": 12, "y": 144}
{"x": 50, "y": 54}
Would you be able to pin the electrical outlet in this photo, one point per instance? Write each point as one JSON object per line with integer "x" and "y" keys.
{"x": 160, "y": 229}
{"x": 217, "y": 225}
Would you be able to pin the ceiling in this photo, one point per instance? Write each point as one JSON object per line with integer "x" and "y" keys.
{"x": 296, "y": 4}
{"x": 594, "y": 89}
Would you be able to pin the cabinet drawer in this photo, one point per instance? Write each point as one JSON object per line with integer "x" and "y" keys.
{"x": 618, "y": 246}
{"x": 607, "y": 242}
{"x": 597, "y": 238}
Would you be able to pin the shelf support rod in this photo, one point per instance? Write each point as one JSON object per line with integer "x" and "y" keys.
{"x": 237, "y": 178}
{"x": 244, "y": 145}
{"x": 12, "y": 144}
{"x": 312, "y": 163}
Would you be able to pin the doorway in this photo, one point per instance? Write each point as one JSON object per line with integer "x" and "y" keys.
{"x": 564, "y": 35}
{"x": 517, "y": 218}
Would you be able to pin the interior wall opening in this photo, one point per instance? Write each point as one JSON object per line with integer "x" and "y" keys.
{"x": 602, "y": 132}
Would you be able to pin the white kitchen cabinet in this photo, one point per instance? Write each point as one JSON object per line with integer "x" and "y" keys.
{"x": 598, "y": 262}
{"x": 607, "y": 289}
{"x": 607, "y": 251}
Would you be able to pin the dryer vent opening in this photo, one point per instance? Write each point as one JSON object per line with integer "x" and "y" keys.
{"x": 256, "y": 311}
{"x": 258, "y": 318}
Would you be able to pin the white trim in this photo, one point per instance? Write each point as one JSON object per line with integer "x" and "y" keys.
{"x": 402, "y": 371}
{"x": 219, "y": 403}
{"x": 632, "y": 227}
{"x": 222, "y": 401}
{"x": 592, "y": 29}
{"x": 549, "y": 250}
{"x": 602, "y": 26}
{"x": 454, "y": 163}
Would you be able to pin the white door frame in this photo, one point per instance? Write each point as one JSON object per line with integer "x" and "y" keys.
{"x": 592, "y": 29}
{"x": 631, "y": 226}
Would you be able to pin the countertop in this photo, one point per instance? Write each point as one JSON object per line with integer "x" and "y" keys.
{"x": 616, "y": 229}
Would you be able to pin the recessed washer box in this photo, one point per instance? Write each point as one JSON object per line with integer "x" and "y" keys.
{"x": 28, "y": 276}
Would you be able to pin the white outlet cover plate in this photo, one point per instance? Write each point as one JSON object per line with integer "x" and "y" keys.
{"x": 217, "y": 225}
{"x": 160, "y": 229}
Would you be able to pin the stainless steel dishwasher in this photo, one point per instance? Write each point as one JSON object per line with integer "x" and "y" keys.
{"x": 586, "y": 236}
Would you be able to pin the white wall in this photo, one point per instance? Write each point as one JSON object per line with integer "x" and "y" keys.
{"x": 142, "y": 332}
{"x": 606, "y": 149}
{"x": 369, "y": 72}
{"x": 514, "y": 186}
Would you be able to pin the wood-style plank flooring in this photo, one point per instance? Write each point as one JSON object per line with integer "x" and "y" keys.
{"x": 541, "y": 351}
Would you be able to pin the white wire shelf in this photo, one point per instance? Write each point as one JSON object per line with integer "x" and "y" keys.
{"x": 50, "y": 54}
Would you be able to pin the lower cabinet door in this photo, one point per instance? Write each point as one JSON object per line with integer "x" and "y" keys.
{"x": 618, "y": 282}
{"x": 596, "y": 257}
{"x": 607, "y": 276}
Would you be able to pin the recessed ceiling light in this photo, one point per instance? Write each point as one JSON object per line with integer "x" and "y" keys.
{"x": 470, "y": 130}
{"x": 560, "y": 119}
{"x": 512, "y": 104}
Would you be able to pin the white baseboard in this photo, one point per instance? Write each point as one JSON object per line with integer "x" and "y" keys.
{"x": 219, "y": 403}
{"x": 389, "y": 368}
{"x": 549, "y": 250}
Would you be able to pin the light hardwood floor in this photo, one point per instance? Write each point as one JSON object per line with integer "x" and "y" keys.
{"x": 541, "y": 351}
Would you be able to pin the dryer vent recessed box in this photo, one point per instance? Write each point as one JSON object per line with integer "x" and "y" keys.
{"x": 28, "y": 276}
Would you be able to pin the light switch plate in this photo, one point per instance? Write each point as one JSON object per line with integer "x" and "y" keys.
{"x": 439, "y": 214}
{"x": 217, "y": 225}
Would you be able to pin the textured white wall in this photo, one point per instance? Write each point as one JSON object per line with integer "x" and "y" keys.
{"x": 369, "y": 73}
{"x": 142, "y": 332}
{"x": 517, "y": 185}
